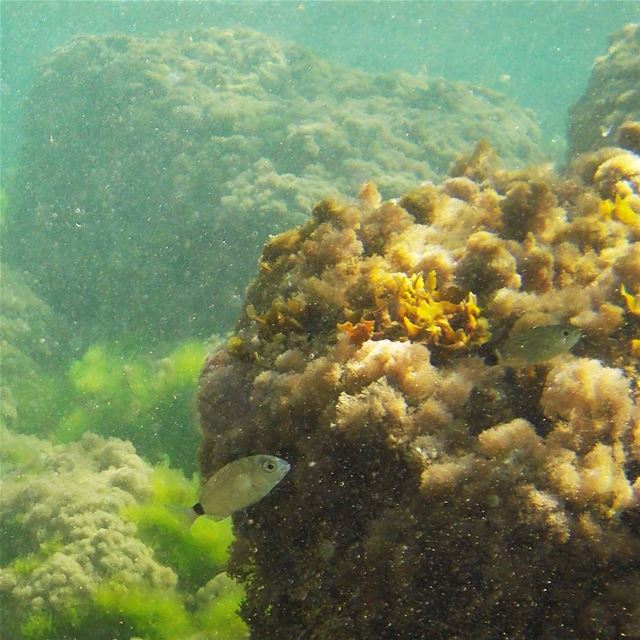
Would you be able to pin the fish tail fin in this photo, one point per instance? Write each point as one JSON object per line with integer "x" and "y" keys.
{"x": 187, "y": 515}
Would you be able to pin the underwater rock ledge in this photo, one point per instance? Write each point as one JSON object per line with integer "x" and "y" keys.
{"x": 609, "y": 110}
{"x": 432, "y": 495}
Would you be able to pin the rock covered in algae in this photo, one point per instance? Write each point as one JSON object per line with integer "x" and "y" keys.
{"x": 201, "y": 145}
{"x": 90, "y": 549}
{"x": 30, "y": 340}
{"x": 108, "y": 389}
{"x": 431, "y": 495}
{"x": 609, "y": 111}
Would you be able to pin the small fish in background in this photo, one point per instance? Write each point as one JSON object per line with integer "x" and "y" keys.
{"x": 534, "y": 345}
{"x": 605, "y": 132}
{"x": 237, "y": 485}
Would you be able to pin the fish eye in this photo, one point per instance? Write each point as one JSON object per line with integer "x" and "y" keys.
{"x": 566, "y": 333}
{"x": 269, "y": 466}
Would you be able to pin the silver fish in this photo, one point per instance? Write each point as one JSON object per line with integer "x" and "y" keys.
{"x": 537, "y": 344}
{"x": 239, "y": 484}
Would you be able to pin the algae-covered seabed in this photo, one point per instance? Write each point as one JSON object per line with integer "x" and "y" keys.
{"x": 158, "y": 158}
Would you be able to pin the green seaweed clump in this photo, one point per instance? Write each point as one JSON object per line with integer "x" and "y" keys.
{"x": 113, "y": 612}
{"x": 194, "y": 554}
{"x": 146, "y": 401}
{"x": 103, "y": 552}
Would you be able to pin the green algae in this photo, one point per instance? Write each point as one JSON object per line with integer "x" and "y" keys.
{"x": 114, "y": 612}
{"x": 146, "y": 400}
{"x": 220, "y": 615}
{"x": 122, "y": 612}
{"x": 195, "y": 553}
{"x": 26, "y": 564}
{"x": 202, "y": 605}
{"x": 38, "y": 626}
{"x": 119, "y": 612}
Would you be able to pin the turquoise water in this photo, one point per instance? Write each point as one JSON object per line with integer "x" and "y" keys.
{"x": 545, "y": 48}
{"x": 148, "y": 150}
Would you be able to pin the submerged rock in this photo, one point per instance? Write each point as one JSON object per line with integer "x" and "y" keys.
{"x": 31, "y": 340}
{"x": 155, "y": 168}
{"x": 91, "y": 546}
{"x": 608, "y": 113}
{"x": 431, "y": 495}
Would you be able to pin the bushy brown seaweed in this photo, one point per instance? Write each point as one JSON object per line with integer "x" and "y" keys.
{"x": 432, "y": 495}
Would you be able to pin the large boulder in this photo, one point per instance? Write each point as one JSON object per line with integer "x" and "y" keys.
{"x": 155, "y": 168}
{"x": 434, "y": 494}
{"x": 609, "y": 111}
